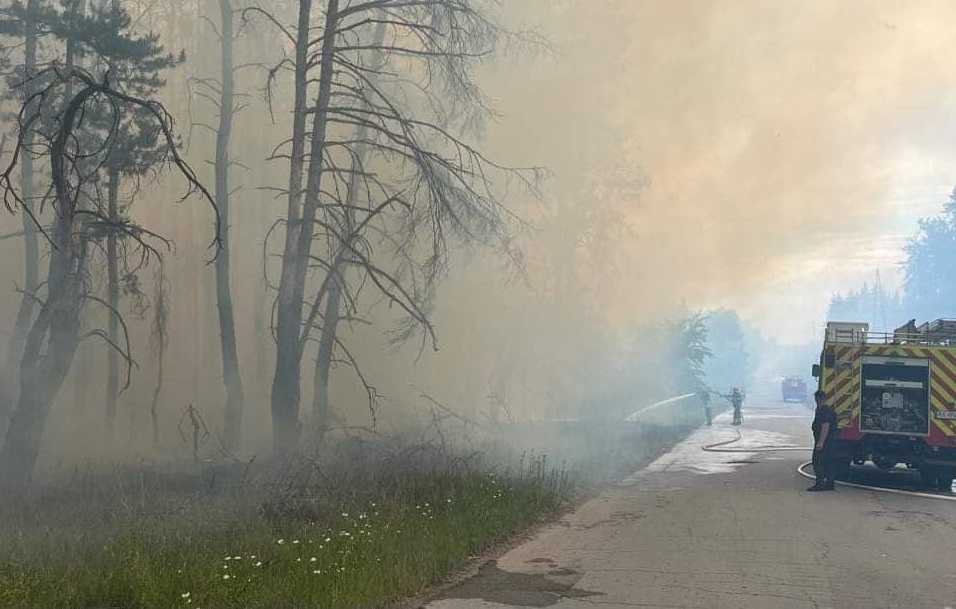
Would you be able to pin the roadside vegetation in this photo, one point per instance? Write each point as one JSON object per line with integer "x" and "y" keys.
{"x": 368, "y": 523}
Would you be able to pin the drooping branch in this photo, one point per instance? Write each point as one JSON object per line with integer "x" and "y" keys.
{"x": 92, "y": 88}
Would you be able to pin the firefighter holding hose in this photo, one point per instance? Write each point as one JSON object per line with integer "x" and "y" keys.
{"x": 736, "y": 399}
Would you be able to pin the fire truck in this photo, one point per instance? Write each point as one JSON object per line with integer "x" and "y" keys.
{"x": 894, "y": 395}
{"x": 793, "y": 389}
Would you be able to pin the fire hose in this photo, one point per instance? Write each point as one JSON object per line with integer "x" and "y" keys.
{"x": 801, "y": 470}
{"x": 722, "y": 447}
{"x": 719, "y": 447}
{"x": 635, "y": 415}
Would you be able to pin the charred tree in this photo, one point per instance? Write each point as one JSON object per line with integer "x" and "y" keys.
{"x": 328, "y": 334}
{"x": 160, "y": 338}
{"x": 227, "y": 323}
{"x": 286, "y": 382}
{"x": 112, "y": 294}
{"x": 42, "y": 372}
{"x": 387, "y": 217}
{"x": 54, "y": 335}
{"x": 9, "y": 380}
{"x": 133, "y": 149}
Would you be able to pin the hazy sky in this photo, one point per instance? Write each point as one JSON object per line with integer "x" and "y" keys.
{"x": 791, "y": 145}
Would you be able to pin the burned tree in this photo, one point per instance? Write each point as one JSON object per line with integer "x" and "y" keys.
{"x": 22, "y": 21}
{"x": 338, "y": 271}
{"x": 133, "y": 149}
{"x": 54, "y": 335}
{"x": 221, "y": 92}
{"x": 97, "y": 36}
{"x": 388, "y": 177}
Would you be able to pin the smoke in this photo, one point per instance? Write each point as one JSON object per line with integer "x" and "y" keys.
{"x": 751, "y": 155}
{"x": 777, "y": 135}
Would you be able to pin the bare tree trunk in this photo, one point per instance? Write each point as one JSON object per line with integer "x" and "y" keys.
{"x": 160, "y": 335}
{"x": 262, "y": 336}
{"x": 42, "y": 371}
{"x": 227, "y": 324}
{"x": 31, "y": 246}
{"x": 260, "y": 330}
{"x": 298, "y": 238}
{"x": 112, "y": 298}
{"x": 321, "y": 403}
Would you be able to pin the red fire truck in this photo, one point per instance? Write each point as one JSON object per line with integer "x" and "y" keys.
{"x": 895, "y": 396}
{"x": 793, "y": 389}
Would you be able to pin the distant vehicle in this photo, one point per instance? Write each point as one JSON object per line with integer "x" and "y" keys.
{"x": 793, "y": 389}
{"x": 895, "y": 396}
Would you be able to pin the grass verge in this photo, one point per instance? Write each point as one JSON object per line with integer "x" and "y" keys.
{"x": 371, "y": 524}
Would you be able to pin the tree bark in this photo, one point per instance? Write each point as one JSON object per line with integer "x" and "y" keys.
{"x": 227, "y": 325}
{"x": 112, "y": 298}
{"x": 31, "y": 246}
{"x": 299, "y": 229}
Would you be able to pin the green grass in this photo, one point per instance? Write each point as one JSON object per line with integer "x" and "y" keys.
{"x": 364, "y": 554}
{"x": 369, "y": 528}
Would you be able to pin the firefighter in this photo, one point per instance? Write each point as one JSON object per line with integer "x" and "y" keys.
{"x": 704, "y": 397}
{"x": 737, "y": 400}
{"x": 824, "y": 430}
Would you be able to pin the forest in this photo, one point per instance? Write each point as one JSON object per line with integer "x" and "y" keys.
{"x": 286, "y": 320}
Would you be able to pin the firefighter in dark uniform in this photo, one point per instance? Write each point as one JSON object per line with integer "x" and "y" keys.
{"x": 824, "y": 431}
{"x": 737, "y": 400}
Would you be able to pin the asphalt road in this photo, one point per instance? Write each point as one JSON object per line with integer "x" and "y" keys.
{"x": 730, "y": 530}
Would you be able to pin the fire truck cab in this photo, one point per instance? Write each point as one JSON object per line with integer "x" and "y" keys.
{"x": 894, "y": 395}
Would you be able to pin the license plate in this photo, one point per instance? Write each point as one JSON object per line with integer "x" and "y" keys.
{"x": 948, "y": 414}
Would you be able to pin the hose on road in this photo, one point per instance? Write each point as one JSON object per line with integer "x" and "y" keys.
{"x": 722, "y": 447}
{"x": 801, "y": 469}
